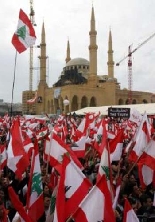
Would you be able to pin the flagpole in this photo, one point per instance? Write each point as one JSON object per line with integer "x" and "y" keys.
{"x": 13, "y": 85}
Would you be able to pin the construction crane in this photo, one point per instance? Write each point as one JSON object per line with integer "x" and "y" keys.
{"x": 129, "y": 56}
{"x": 32, "y": 19}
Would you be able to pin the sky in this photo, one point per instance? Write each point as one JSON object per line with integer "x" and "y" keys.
{"x": 131, "y": 23}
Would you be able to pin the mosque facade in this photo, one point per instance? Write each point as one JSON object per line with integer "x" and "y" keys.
{"x": 79, "y": 84}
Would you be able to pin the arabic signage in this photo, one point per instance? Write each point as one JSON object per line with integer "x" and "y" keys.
{"x": 119, "y": 112}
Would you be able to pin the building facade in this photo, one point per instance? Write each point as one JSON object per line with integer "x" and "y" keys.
{"x": 79, "y": 84}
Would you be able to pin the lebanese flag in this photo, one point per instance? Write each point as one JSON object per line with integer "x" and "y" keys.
{"x": 84, "y": 125}
{"x": 35, "y": 202}
{"x": 105, "y": 166}
{"x": 24, "y": 37}
{"x": 79, "y": 147}
{"x": 28, "y": 146}
{"x": 100, "y": 136}
{"x": 17, "y": 204}
{"x": 76, "y": 185}
{"x": 31, "y": 101}
{"x": 116, "y": 146}
{"x": 141, "y": 139}
{"x": 146, "y": 175}
{"x": 57, "y": 149}
{"x": 97, "y": 205}
{"x": 18, "y": 159}
{"x": 148, "y": 156}
{"x": 129, "y": 214}
{"x": 3, "y": 155}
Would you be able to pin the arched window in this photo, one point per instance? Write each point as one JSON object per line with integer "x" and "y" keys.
{"x": 93, "y": 101}
{"x": 134, "y": 101}
{"x": 144, "y": 101}
{"x": 84, "y": 102}
{"x": 74, "y": 103}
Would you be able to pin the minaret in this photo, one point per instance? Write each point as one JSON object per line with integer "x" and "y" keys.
{"x": 68, "y": 52}
{"x": 92, "y": 51}
{"x": 43, "y": 56}
{"x": 110, "y": 62}
{"x": 41, "y": 104}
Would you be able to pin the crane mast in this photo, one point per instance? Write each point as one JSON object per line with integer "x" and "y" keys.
{"x": 129, "y": 76}
{"x": 129, "y": 56}
{"x": 32, "y": 13}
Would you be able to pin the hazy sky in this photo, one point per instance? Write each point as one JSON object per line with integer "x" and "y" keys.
{"x": 131, "y": 22}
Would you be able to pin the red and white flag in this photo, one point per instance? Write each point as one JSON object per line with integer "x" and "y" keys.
{"x": 146, "y": 175}
{"x": 97, "y": 205}
{"x": 24, "y": 37}
{"x": 148, "y": 156}
{"x": 57, "y": 149}
{"x": 3, "y": 156}
{"x": 79, "y": 147}
{"x": 35, "y": 201}
{"x": 141, "y": 139}
{"x": 18, "y": 159}
{"x": 31, "y": 101}
{"x": 129, "y": 214}
{"x": 76, "y": 186}
{"x": 116, "y": 146}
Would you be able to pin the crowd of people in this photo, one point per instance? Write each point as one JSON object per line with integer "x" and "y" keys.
{"x": 123, "y": 172}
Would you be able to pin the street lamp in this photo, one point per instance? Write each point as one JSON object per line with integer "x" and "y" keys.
{"x": 66, "y": 103}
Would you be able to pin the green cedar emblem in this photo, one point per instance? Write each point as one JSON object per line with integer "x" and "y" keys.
{"x": 21, "y": 32}
{"x": 106, "y": 171}
{"x": 36, "y": 183}
{"x": 52, "y": 205}
{"x": 99, "y": 138}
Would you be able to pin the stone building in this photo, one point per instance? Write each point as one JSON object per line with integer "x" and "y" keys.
{"x": 79, "y": 82}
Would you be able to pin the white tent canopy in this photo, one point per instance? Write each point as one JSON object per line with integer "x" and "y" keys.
{"x": 149, "y": 108}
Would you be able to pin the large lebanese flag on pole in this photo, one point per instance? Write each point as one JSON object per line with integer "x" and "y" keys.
{"x": 17, "y": 157}
{"x": 129, "y": 214}
{"x": 35, "y": 202}
{"x": 24, "y": 37}
{"x": 97, "y": 205}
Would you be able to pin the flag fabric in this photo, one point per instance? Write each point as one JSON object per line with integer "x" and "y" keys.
{"x": 17, "y": 157}
{"x": 24, "y": 37}
{"x": 31, "y": 101}
{"x": 35, "y": 190}
{"x": 116, "y": 146}
{"x": 146, "y": 175}
{"x": 57, "y": 149}
{"x": 79, "y": 147}
{"x": 129, "y": 214}
{"x": 141, "y": 139}
{"x": 3, "y": 156}
{"x": 76, "y": 186}
{"x": 97, "y": 205}
{"x": 148, "y": 156}
{"x": 105, "y": 166}
{"x": 17, "y": 204}
{"x": 100, "y": 136}
{"x": 50, "y": 213}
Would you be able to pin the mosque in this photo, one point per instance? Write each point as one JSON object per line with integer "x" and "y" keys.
{"x": 79, "y": 84}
